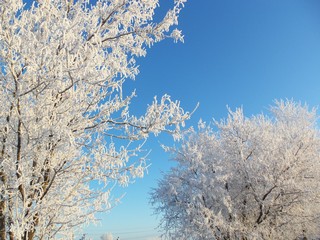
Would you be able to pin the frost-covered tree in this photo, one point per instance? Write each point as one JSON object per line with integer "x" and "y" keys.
{"x": 66, "y": 134}
{"x": 107, "y": 236}
{"x": 246, "y": 178}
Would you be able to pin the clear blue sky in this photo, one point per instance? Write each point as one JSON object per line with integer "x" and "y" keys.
{"x": 237, "y": 53}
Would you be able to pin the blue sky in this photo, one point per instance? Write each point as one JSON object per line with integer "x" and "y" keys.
{"x": 236, "y": 53}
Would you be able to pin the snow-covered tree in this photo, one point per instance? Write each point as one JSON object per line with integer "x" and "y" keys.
{"x": 246, "y": 178}
{"x": 66, "y": 134}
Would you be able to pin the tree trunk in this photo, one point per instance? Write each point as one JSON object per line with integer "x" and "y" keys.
{"x": 2, "y": 221}
{"x": 2, "y": 210}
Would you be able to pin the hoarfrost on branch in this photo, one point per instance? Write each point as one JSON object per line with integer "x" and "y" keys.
{"x": 246, "y": 178}
{"x": 64, "y": 121}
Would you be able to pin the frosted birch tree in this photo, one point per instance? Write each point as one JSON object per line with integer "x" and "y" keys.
{"x": 246, "y": 178}
{"x": 67, "y": 137}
